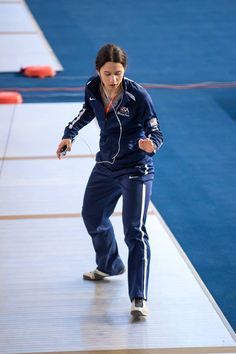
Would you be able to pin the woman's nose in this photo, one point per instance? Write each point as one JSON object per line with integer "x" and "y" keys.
{"x": 113, "y": 79}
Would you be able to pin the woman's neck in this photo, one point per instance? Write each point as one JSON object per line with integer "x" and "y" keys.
{"x": 111, "y": 94}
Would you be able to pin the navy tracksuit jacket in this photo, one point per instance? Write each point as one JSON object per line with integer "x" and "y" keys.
{"x": 121, "y": 169}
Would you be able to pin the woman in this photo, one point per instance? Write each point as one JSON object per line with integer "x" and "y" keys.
{"x": 129, "y": 137}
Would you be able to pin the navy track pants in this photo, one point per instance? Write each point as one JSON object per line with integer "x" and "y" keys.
{"x": 103, "y": 190}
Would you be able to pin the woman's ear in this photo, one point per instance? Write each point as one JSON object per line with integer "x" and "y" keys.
{"x": 98, "y": 73}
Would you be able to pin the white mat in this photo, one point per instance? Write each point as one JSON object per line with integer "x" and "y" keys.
{"x": 22, "y": 42}
{"x": 48, "y": 256}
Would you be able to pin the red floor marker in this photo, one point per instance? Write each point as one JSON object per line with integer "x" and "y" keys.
{"x": 38, "y": 71}
{"x": 10, "y": 97}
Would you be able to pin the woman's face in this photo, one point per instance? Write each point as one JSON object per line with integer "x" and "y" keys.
{"x": 111, "y": 75}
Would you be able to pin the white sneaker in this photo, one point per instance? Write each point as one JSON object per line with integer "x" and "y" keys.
{"x": 98, "y": 275}
{"x": 139, "y": 307}
{"x": 95, "y": 275}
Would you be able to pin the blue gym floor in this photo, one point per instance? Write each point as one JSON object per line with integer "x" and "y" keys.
{"x": 169, "y": 42}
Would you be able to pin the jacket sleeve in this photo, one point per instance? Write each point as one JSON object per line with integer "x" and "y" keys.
{"x": 85, "y": 116}
{"x": 151, "y": 123}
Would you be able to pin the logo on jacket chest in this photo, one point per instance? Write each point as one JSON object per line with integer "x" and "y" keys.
{"x": 123, "y": 111}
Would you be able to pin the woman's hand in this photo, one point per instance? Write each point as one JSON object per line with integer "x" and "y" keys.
{"x": 65, "y": 144}
{"x": 147, "y": 145}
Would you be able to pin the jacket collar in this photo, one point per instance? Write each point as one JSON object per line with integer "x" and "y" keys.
{"x": 94, "y": 83}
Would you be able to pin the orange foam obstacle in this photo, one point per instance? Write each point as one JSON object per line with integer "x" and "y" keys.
{"x": 10, "y": 97}
{"x": 38, "y": 71}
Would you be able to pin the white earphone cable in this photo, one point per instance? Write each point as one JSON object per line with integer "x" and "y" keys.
{"x": 120, "y": 134}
